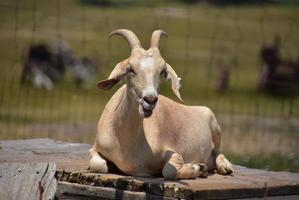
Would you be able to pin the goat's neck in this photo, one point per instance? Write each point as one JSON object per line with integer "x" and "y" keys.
{"x": 129, "y": 122}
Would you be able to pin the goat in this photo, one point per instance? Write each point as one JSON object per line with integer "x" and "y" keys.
{"x": 144, "y": 133}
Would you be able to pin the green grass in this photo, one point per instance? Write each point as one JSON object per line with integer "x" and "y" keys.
{"x": 198, "y": 36}
{"x": 274, "y": 162}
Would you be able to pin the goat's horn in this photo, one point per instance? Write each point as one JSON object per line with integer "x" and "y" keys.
{"x": 156, "y": 38}
{"x": 129, "y": 36}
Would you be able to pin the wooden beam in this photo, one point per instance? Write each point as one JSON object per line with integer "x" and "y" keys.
{"x": 23, "y": 181}
{"x": 81, "y": 192}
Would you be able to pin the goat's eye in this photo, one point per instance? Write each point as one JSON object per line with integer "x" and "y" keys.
{"x": 131, "y": 71}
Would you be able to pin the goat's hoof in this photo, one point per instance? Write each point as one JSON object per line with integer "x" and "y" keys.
{"x": 200, "y": 170}
{"x": 224, "y": 167}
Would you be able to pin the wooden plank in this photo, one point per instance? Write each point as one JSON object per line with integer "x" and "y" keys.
{"x": 32, "y": 181}
{"x": 246, "y": 183}
{"x": 73, "y": 191}
{"x": 79, "y": 192}
{"x": 72, "y": 162}
{"x": 70, "y": 156}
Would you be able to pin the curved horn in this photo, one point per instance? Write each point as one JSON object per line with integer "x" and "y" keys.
{"x": 156, "y": 38}
{"x": 129, "y": 36}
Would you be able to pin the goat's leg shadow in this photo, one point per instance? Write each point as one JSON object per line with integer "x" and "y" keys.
{"x": 176, "y": 168}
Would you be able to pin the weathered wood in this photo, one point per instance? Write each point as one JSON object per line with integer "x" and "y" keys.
{"x": 74, "y": 191}
{"x": 72, "y": 162}
{"x": 77, "y": 191}
{"x": 70, "y": 156}
{"x": 34, "y": 181}
{"x": 32, "y": 156}
{"x": 246, "y": 183}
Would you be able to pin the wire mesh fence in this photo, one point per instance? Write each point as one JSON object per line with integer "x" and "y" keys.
{"x": 215, "y": 49}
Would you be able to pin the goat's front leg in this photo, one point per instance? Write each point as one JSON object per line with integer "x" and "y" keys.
{"x": 176, "y": 168}
{"x": 96, "y": 162}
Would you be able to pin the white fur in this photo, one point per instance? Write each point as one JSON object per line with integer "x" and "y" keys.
{"x": 150, "y": 90}
{"x": 146, "y": 62}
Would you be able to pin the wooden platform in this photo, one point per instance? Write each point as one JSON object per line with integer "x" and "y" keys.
{"x": 27, "y": 167}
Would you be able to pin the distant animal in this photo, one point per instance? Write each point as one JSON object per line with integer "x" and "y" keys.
{"x": 37, "y": 67}
{"x": 223, "y": 72}
{"x": 82, "y": 69}
{"x": 146, "y": 134}
{"x": 43, "y": 66}
{"x": 270, "y": 57}
{"x": 278, "y": 74}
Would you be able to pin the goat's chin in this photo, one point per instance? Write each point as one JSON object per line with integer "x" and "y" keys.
{"x": 145, "y": 113}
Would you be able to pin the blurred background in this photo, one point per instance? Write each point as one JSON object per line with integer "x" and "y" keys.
{"x": 239, "y": 57}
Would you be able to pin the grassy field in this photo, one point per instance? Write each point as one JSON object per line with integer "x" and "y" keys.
{"x": 260, "y": 130}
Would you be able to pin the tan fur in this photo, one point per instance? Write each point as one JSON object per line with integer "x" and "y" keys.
{"x": 173, "y": 140}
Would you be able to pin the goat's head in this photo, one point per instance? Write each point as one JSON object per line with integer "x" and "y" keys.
{"x": 143, "y": 70}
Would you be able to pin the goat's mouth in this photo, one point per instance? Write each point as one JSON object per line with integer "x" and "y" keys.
{"x": 145, "y": 112}
{"x": 145, "y": 109}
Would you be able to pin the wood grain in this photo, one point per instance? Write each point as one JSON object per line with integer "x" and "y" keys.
{"x": 71, "y": 156}
{"x": 24, "y": 181}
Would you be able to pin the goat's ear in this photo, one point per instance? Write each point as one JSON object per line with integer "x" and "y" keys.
{"x": 175, "y": 81}
{"x": 116, "y": 75}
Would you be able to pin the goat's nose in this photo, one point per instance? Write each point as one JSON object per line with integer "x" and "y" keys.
{"x": 150, "y": 99}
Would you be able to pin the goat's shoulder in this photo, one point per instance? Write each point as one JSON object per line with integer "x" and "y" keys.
{"x": 204, "y": 111}
{"x": 166, "y": 103}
